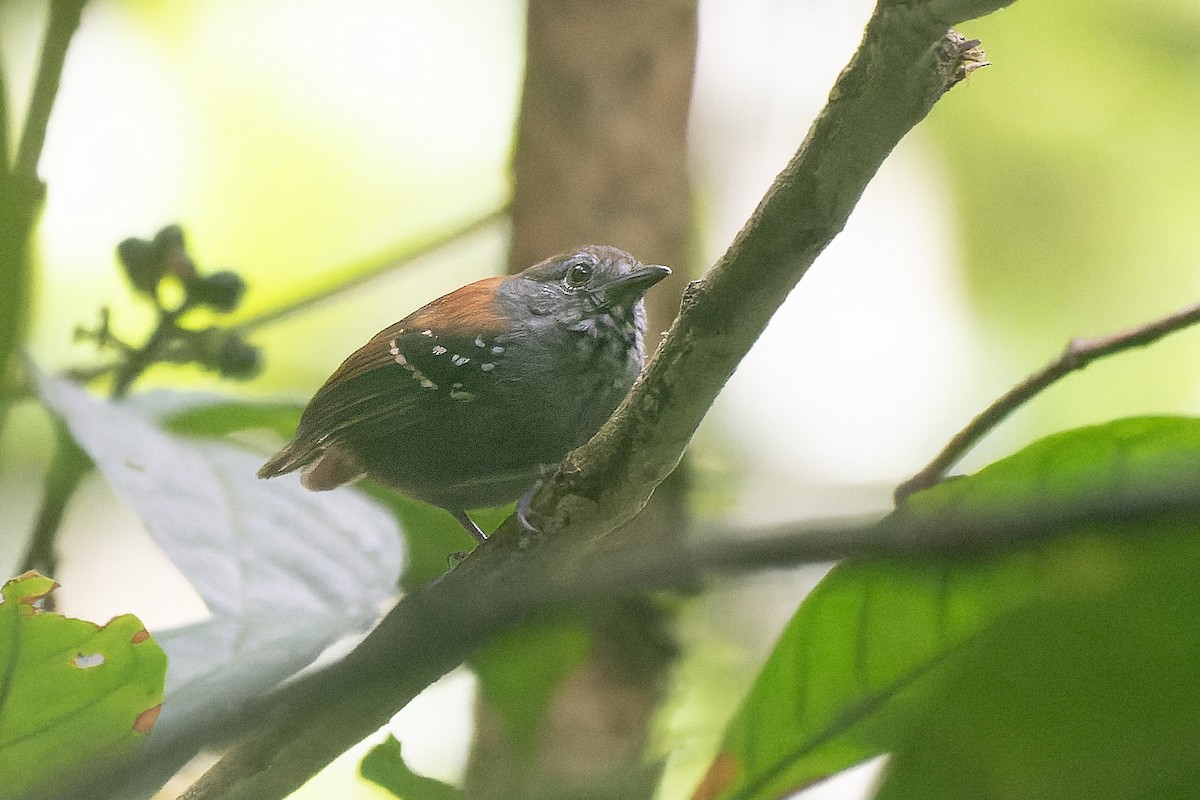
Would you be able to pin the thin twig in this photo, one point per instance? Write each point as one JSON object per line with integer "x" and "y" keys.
{"x": 138, "y": 360}
{"x": 381, "y": 265}
{"x": 68, "y": 466}
{"x": 91, "y": 373}
{"x": 64, "y": 20}
{"x": 1075, "y": 356}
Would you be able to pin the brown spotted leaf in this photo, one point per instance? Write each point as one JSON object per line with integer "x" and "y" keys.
{"x": 74, "y": 696}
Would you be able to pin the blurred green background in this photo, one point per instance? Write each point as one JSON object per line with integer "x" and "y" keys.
{"x": 302, "y": 143}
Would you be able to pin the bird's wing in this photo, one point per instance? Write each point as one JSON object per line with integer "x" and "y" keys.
{"x": 438, "y": 352}
{"x": 419, "y": 358}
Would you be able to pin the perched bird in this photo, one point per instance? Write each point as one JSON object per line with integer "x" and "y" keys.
{"x": 465, "y": 401}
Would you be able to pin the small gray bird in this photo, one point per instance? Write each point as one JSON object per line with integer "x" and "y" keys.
{"x": 465, "y": 401}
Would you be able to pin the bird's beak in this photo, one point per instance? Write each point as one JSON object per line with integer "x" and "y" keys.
{"x": 629, "y": 288}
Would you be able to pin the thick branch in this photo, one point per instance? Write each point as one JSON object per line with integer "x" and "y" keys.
{"x": 905, "y": 63}
{"x": 1075, "y": 356}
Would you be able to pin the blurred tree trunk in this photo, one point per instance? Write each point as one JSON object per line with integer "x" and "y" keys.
{"x": 600, "y": 159}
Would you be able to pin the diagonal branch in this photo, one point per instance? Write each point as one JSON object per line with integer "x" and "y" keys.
{"x": 378, "y": 265}
{"x": 1075, "y": 356}
{"x": 906, "y": 61}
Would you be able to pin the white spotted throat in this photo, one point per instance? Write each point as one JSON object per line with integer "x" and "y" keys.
{"x": 467, "y": 400}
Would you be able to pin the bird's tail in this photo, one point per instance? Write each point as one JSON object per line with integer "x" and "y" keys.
{"x": 326, "y": 467}
{"x": 287, "y": 460}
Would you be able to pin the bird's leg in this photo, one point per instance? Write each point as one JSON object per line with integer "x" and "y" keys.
{"x": 469, "y": 525}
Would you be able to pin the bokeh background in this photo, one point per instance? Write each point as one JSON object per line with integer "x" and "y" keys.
{"x": 306, "y": 142}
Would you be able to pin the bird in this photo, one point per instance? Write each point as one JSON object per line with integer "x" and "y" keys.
{"x": 467, "y": 401}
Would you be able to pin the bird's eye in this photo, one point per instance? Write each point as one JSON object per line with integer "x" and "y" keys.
{"x": 578, "y": 275}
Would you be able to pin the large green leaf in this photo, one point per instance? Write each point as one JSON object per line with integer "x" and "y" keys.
{"x": 1083, "y": 694}
{"x": 73, "y": 695}
{"x": 870, "y": 658}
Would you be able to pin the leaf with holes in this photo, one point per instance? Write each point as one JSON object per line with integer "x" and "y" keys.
{"x": 74, "y": 695}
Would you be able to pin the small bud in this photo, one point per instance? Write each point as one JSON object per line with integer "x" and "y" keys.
{"x": 222, "y": 290}
{"x": 142, "y": 265}
{"x": 170, "y": 248}
{"x": 238, "y": 360}
{"x": 225, "y": 352}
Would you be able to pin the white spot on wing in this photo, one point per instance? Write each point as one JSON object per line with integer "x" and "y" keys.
{"x": 418, "y": 376}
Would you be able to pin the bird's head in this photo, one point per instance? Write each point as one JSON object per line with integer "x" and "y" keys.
{"x": 591, "y": 282}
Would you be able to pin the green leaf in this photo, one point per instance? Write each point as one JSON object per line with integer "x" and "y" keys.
{"x": 864, "y": 665}
{"x": 385, "y": 766}
{"x": 1090, "y": 693}
{"x": 520, "y": 669}
{"x": 73, "y": 695}
{"x": 225, "y": 417}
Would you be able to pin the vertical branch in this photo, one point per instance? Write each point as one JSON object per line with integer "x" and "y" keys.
{"x": 67, "y": 469}
{"x": 5, "y": 144}
{"x": 21, "y": 197}
{"x": 64, "y": 21}
{"x": 22, "y": 192}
